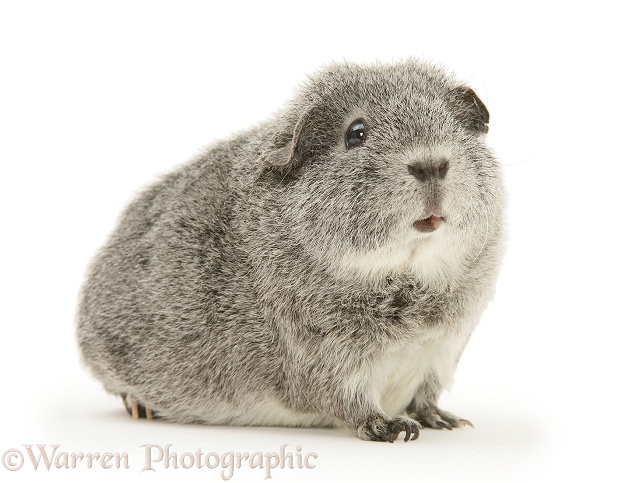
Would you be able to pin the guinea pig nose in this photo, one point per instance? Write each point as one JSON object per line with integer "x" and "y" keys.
{"x": 422, "y": 172}
{"x": 419, "y": 171}
{"x": 442, "y": 169}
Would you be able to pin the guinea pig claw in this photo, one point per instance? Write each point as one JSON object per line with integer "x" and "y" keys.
{"x": 465, "y": 422}
{"x": 445, "y": 425}
{"x": 139, "y": 411}
{"x": 415, "y": 434}
{"x": 135, "y": 410}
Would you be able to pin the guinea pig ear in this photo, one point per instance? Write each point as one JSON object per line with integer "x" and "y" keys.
{"x": 284, "y": 156}
{"x": 471, "y": 112}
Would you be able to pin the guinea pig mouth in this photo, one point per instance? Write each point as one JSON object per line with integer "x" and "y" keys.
{"x": 428, "y": 225}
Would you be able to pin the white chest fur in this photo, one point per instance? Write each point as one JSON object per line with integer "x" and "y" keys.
{"x": 397, "y": 374}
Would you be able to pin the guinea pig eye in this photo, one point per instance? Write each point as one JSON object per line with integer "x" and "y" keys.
{"x": 355, "y": 134}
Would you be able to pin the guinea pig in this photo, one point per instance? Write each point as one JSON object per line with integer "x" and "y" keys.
{"x": 323, "y": 268}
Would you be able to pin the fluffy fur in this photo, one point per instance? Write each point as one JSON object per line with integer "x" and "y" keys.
{"x": 278, "y": 279}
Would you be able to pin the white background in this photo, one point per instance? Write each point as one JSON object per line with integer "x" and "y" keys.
{"x": 99, "y": 98}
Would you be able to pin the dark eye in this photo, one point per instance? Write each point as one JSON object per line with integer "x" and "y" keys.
{"x": 355, "y": 134}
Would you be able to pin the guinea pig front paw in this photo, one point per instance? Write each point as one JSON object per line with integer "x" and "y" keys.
{"x": 381, "y": 428}
{"x": 434, "y": 417}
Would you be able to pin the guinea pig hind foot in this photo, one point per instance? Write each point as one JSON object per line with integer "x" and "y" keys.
{"x": 137, "y": 410}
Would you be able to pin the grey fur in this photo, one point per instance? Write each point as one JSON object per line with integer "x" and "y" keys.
{"x": 277, "y": 279}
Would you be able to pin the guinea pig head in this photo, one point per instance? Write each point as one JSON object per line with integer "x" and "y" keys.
{"x": 375, "y": 162}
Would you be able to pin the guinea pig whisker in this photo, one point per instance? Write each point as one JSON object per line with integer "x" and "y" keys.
{"x": 483, "y": 245}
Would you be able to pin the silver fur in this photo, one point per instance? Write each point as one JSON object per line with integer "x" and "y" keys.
{"x": 278, "y": 279}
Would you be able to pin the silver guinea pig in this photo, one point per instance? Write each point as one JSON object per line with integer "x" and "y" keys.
{"x": 323, "y": 268}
